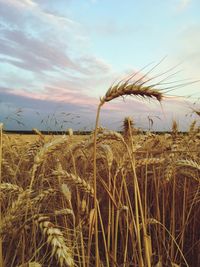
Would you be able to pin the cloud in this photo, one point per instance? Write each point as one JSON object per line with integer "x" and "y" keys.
{"x": 186, "y": 51}
{"x": 46, "y": 62}
{"x": 41, "y": 58}
{"x": 38, "y": 42}
{"x": 33, "y": 54}
{"x": 53, "y": 101}
{"x": 33, "y": 8}
{"x": 47, "y": 108}
{"x": 183, "y": 5}
{"x": 50, "y": 94}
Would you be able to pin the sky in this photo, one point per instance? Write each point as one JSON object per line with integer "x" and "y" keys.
{"x": 57, "y": 58}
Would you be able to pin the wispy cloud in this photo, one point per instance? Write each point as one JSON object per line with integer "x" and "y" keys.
{"x": 183, "y": 4}
{"x": 54, "y": 101}
{"x": 47, "y": 58}
{"x": 40, "y": 43}
{"x": 41, "y": 55}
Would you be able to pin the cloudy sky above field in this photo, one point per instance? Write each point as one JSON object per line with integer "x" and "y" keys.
{"x": 58, "y": 57}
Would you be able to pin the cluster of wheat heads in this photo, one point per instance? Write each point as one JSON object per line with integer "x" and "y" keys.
{"x": 109, "y": 199}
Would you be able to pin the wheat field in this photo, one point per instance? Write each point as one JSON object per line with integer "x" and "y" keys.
{"x": 107, "y": 199}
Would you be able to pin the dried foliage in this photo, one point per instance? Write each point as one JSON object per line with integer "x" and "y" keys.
{"x": 52, "y": 223}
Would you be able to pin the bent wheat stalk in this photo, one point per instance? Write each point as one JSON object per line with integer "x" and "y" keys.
{"x": 129, "y": 87}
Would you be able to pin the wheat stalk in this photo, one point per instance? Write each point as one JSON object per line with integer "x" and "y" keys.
{"x": 1, "y": 145}
{"x": 38, "y": 133}
{"x": 128, "y": 87}
{"x": 30, "y": 264}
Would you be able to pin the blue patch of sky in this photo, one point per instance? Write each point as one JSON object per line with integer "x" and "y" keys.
{"x": 142, "y": 30}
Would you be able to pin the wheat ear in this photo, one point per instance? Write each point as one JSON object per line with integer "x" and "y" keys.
{"x": 187, "y": 163}
{"x": 127, "y": 88}
{"x": 136, "y": 88}
{"x": 57, "y": 241}
{"x": 107, "y": 151}
{"x": 41, "y": 155}
{"x": 75, "y": 180}
{"x": 38, "y": 133}
{"x": 43, "y": 196}
{"x": 14, "y": 213}
{"x": 149, "y": 161}
{"x": 10, "y": 188}
{"x": 9, "y": 191}
{"x": 7, "y": 169}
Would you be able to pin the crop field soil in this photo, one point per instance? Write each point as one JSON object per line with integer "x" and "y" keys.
{"x": 106, "y": 199}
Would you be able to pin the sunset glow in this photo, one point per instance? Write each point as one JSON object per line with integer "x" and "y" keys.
{"x": 62, "y": 56}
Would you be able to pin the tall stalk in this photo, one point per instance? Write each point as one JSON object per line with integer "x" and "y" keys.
{"x": 1, "y": 140}
{"x": 95, "y": 187}
{"x": 133, "y": 88}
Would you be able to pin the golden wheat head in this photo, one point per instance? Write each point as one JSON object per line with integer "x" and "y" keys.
{"x": 133, "y": 89}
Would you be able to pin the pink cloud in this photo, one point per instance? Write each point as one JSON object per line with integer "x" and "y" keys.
{"x": 112, "y": 113}
{"x": 61, "y": 95}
